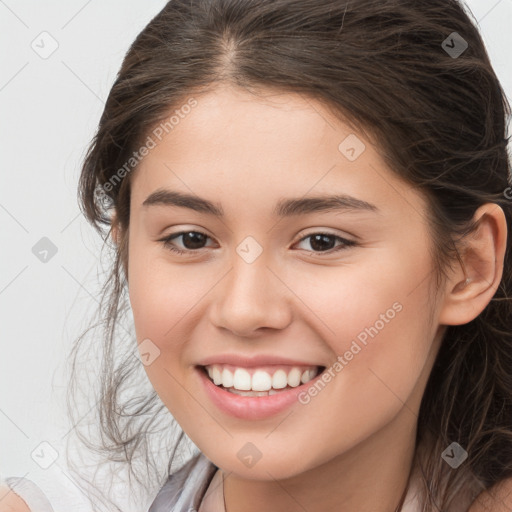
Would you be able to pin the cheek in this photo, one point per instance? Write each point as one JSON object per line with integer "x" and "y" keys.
{"x": 162, "y": 295}
{"x": 167, "y": 301}
{"x": 162, "y": 301}
{"x": 384, "y": 298}
{"x": 376, "y": 324}
{"x": 376, "y": 369}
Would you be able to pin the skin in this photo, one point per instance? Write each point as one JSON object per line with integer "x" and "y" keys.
{"x": 351, "y": 447}
{"x": 10, "y": 501}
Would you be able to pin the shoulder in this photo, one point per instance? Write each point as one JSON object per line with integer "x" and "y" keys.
{"x": 496, "y": 499}
{"x": 10, "y": 501}
{"x": 22, "y": 495}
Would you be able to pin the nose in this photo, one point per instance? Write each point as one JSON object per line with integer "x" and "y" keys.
{"x": 251, "y": 299}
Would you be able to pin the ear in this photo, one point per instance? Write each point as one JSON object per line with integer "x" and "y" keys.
{"x": 470, "y": 288}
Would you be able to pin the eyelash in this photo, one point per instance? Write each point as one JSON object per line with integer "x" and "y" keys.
{"x": 167, "y": 242}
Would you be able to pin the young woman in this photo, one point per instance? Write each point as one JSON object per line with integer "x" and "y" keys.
{"x": 309, "y": 203}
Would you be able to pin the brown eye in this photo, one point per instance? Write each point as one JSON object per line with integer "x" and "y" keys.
{"x": 324, "y": 242}
{"x": 191, "y": 240}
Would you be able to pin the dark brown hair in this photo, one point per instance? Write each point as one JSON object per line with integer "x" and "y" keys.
{"x": 438, "y": 119}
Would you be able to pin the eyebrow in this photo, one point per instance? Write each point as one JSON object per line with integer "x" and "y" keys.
{"x": 283, "y": 208}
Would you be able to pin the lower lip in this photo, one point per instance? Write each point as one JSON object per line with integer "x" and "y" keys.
{"x": 251, "y": 407}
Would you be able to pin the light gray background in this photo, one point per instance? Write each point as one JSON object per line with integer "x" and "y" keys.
{"x": 49, "y": 111}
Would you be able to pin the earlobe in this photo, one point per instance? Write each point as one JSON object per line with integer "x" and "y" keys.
{"x": 471, "y": 287}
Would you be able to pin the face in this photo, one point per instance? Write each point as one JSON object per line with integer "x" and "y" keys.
{"x": 265, "y": 285}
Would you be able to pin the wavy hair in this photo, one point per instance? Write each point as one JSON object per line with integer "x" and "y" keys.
{"x": 438, "y": 119}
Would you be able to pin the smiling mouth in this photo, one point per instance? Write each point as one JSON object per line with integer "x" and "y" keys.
{"x": 260, "y": 381}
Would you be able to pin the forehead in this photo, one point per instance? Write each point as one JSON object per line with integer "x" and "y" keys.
{"x": 231, "y": 118}
{"x": 243, "y": 149}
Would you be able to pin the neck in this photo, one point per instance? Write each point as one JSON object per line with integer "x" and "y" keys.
{"x": 371, "y": 477}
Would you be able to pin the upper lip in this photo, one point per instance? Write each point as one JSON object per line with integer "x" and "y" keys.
{"x": 253, "y": 361}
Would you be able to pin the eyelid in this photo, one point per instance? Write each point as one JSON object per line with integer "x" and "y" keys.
{"x": 167, "y": 241}
{"x": 322, "y": 231}
{"x": 346, "y": 242}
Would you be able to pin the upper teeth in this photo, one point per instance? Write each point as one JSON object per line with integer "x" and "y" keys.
{"x": 260, "y": 380}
